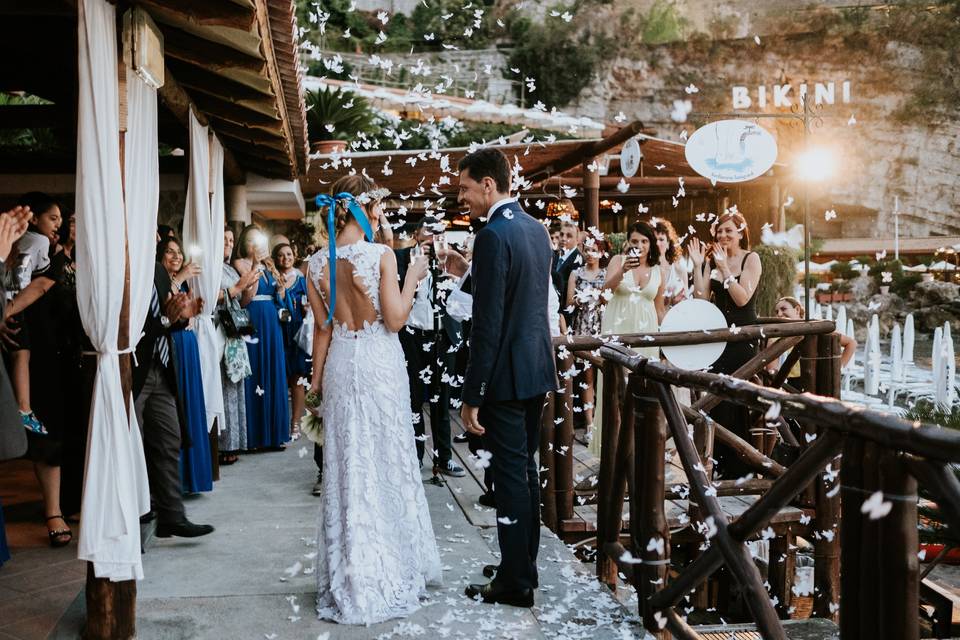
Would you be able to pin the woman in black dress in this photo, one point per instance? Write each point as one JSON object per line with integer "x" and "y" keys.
{"x": 727, "y": 273}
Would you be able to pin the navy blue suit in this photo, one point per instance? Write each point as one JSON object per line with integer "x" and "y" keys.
{"x": 511, "y": 369}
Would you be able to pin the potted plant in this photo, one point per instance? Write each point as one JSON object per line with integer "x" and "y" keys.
{"x": 334, "y": 118}
{"x": 824, "y": 294}
{"x": 842, "y": 291}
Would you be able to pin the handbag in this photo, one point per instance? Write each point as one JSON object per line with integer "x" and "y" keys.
{"x": 236, "y": 360}
{"x": 304, "y": 336}
{"x": 234, "y": 319}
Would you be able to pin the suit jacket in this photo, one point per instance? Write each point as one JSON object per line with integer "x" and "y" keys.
{"x": 511, "y": 354}
{"x": 13, "y": 437}
{"x": 153, "y": 330}
{"x": 561, "y": 271}
{"x": 450, "y": 326}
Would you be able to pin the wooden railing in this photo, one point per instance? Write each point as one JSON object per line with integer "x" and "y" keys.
{"x": 877, "y": 595}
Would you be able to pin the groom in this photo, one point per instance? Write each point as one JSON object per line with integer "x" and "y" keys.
{"x": 511, "y": 365}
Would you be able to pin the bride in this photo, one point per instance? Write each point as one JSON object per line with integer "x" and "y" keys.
{"x": 375, "y": 542}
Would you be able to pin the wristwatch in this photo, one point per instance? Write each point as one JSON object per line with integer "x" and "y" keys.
{"x": 165, "y": 321}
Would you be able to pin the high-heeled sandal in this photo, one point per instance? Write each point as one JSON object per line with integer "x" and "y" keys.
{"x": 57, "y": 534}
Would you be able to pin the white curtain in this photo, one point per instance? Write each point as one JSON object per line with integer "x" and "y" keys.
{"x": 113, "y": 497}
{"x": 203, "y": 243}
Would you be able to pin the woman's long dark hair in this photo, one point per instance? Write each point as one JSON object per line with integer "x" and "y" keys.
{"x": 164, "y": 243}
{"x": 39, "y": 204}
{"x": 673, "y": 241}
{"x": 240, "y": 245}
{"x": 644, "y": 229}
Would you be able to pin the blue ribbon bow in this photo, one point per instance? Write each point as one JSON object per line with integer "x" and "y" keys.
{"x": 330, "y": 202}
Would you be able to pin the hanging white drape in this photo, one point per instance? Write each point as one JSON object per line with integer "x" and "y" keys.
{"x": 203, "y": 243}
{"x": 115, "y": 493}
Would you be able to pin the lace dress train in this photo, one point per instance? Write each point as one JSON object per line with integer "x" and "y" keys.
{"x": 376, "y": 546}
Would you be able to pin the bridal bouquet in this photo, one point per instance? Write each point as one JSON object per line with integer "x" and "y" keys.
{"x": 311, "y": 425}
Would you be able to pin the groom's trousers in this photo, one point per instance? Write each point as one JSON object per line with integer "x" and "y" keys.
{"x": 512, "y": 431}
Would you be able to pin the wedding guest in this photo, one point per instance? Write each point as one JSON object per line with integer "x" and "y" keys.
{"x": 268, "y": 413}
{"x": 727, "y": 273}
{"x": 196, "y": 463}
{"x": 566, "y": 258}
{"x": 427, "y": 349}
{"x": 35, "y": 360}
{"x": 672, "y": 272}
{"x": 585, "y": 296}
{"x": 79, "y": 370}
{"x": 155, "y": 400}
{"x": 790, "y": 308}
{"x": 297, "y": 360}
{"x": 13, "y": 438}
{"x": 235, "y": 365}
{"x": 636, "y": 305}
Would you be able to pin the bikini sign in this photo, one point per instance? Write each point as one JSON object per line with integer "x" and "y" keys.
{"x": 731, "y": 151}
{"x": 784, "y": 95}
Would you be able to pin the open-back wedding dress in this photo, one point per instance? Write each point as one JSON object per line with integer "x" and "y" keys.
{"x": 376, "y": 549}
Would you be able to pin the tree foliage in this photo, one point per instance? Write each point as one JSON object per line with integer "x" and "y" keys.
{"x": 779, "y": 268}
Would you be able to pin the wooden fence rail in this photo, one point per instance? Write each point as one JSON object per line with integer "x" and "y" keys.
{"x": 879, "y": 593}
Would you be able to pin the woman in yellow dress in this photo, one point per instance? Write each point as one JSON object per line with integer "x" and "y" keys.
{"x": 636, "y": 305}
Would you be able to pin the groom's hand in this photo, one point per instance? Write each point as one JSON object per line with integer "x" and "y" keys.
{"x": 471, "y": 423}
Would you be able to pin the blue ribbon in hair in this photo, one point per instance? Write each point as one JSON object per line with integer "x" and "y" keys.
{"x": 330, "y": 202}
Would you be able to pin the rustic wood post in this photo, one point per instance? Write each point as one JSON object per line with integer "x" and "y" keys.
{"x": 610, "y": 424}
{"x": 548, "y": 477}
{"x": 591, "y": 195}
{"x": 827, "y": 522}
{"x": 897, "y": 568}
{"x": 648, "y": 522}
{"x": 112, "y": 606}
{"x": 780, "y": 569}
{"x": 808, "y": 380}
{"x": 563, "y": 448}
{"x": 851, "y": 534}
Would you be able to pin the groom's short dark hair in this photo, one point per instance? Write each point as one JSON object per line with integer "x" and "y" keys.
{"x": 488, "y": 163}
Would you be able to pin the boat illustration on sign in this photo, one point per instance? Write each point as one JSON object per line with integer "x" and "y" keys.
{"x": 731, "y": 151}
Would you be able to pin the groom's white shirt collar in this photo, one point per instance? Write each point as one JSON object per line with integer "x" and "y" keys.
{"x": 497, "y": 205}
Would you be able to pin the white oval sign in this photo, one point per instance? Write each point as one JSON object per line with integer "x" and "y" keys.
{"x": 630, "y": 158}
{"x": 694, "y": 314}
{"x": 731, "y": 151}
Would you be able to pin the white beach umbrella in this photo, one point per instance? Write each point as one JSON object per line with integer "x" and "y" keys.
{"x": 908, "y": 339}
{"x": 896, "y": 354}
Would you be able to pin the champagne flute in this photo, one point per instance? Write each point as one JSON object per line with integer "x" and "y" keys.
{"x": 440, "y": 248}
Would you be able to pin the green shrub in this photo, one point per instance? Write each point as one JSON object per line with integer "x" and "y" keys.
{"x": 779, "y": 265}
{"x": 347, "y": 113}
{"x": 662, "y": 24}
{"x": 844, "y": 270}
{"x": 561, "y": 59}
{"x": 616, "y": 242}
{"x": 932, "y": 527}
{"x": 462, "y": 18}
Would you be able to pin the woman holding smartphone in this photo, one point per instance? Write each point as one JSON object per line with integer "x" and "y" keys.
{"x": 637, "y": 302}
{"x": 268, "y": 414}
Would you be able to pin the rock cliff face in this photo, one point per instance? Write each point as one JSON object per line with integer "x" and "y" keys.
{"x": 881, "y": 154}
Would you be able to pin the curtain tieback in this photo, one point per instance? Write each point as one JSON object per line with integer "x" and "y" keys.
{"x": 111, "y": 352}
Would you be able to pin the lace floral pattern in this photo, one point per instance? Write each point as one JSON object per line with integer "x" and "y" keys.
{"x": 376, "y": 546}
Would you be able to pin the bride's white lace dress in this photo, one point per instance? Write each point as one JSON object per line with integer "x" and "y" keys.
{"x": 376, "y": 549}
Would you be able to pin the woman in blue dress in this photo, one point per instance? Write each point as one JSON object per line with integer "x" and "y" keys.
{"x": 196, "y": 464}
{"x": 268, "y": 414}
{"x": 4, "y": 549}
{"x": 295, "y": 301}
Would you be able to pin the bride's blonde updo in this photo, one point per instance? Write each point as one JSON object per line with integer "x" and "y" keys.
{"x": 357, "y": 185}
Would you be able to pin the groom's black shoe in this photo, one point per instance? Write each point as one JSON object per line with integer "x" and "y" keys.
{"x": 490, "y": 570}
{"x": 183, "y": 529}
{"x": 492, "y": 594}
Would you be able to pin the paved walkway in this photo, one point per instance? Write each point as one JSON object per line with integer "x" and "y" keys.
{"x": 253, "y": 578}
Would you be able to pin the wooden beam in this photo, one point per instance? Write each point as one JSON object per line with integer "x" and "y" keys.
{"x": 586, "y": 151}
{"x": 179, "y": 104}
{"x": 209, "y": 13}
{"x": 224, "y": 82}
{"x": 188, "y": 48}
{"x": 273, "y": 70}
{"x": 236, "y": 112}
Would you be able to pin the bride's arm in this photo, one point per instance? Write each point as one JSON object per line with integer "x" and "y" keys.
{"x": 395, "y": 304}
{"x": 322, "y": 331}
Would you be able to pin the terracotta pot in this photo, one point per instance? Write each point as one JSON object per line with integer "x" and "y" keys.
{"x": 884, "y": 289}
{"x": 824, "y": 298}
{"x": 329, "y": 146}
